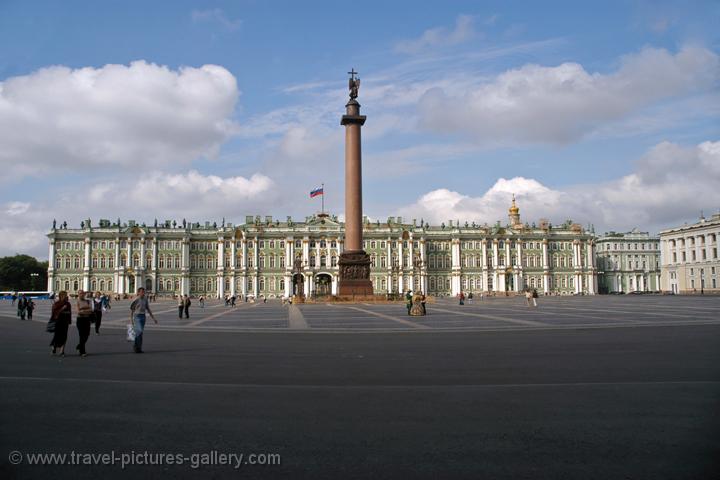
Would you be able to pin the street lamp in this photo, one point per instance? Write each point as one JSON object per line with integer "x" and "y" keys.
{"x": 33, "y": 276}
{"x": 394, "y": 270}
{"x": 418, "y": 265}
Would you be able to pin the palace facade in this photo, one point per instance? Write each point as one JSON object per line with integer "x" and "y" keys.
{"x": 690, "y": 262}
{"x": 628, "y": 262}
{"x": 272, "y": 258}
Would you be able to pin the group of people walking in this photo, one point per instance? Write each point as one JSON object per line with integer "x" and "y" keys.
{"x": 184, "y": 306}
{"x": 25, "y": 306}
{"x": 89, "y": 312}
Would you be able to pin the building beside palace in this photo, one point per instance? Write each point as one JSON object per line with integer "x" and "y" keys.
{"x": 690, "y": 257}
{"x": 628, "y": 262}
{"x": 273, "y": 258}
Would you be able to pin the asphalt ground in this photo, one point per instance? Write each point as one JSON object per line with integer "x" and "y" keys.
{"x": 581, "y": 387}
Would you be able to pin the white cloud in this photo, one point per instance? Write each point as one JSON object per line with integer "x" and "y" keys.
{"x": 190, "y": 194}
{"x": 218, "y": 16}
{"x": 439, "y": 37}
{"x": 16, "y": 208}
{"x": 671, "y": 184}
{"x": 114, "y": 116}
{"x": 564, "y": 103}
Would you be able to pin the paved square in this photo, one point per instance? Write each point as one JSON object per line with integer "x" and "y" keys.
{"x": 580, "y": 387}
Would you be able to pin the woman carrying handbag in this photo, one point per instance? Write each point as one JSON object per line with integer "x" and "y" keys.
{"x": 60, "y": 320}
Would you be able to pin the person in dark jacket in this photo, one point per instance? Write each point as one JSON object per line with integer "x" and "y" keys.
{"x": 84, "y": 318}
{"x": 22, "y": 306}
{"x": 186, "y": 306}
{"x": 98, "y": 306}
{"x": 62, "y": 314}
{"x": 30, "y": 308}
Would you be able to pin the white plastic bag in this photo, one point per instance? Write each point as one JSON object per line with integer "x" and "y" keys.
{"x": 130, "y": 333}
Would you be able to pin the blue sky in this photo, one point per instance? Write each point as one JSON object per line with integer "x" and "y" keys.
{"x": 207, "y": 110}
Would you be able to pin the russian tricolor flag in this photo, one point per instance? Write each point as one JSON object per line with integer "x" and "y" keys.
{"x": 316, "y": 192}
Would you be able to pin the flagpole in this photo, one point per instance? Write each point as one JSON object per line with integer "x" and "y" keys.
{"x": 322, "y": 185}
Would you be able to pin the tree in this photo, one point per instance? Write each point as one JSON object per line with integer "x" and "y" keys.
{"x": 22, "y": 272}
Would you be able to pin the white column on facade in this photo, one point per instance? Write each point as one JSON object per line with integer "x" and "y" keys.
{"x": 455, "y": 283}
{"x": 142, "y": 254}
{"x": 86, "y": 267}
{"x": 243, "y": 268}
{"x": 308, "y": 284}
{"x": 334, "y": 285}
{"x": 233, "y": 267}
{"x": 117, "y": 287}
{"x": 390, "y": 286}
{"x": 546, "y": 266}
{"x": 423, "y": 266}
{"x": 306, "y": 252}
{"x": 496, "y": 265}
{"x": 142, "y": 270}
{"x": 519, "y": 267}
{"x": 185, "y": 266}
{"x": 411, "y": 265}
{"x": 256, "y": 268}
{"x": 51, "y": 266}
{"x": 221, "y": 268}
{"x": 401, "y": 266}
{"x": 484, "y": 264}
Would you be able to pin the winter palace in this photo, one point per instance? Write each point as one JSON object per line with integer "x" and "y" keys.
{"x": 272, "y": 258}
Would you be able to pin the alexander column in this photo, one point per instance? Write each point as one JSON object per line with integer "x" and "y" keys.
{"x": 354, "y": 262}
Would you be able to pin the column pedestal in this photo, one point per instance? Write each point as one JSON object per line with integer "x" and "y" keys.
{"x": 354, "y": 274}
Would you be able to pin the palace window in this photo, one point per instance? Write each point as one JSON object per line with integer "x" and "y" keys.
{"x": 298, "y": 244}
{"x": 76, "y": 263}
{"x": 94, "y": 264}
{"x": 282, "y": 261}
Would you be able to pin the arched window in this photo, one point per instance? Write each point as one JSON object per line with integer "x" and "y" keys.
{"x": 177, "y": 261}
{"x": 109, "y": 285}
{"x": 111, "y": 264}
{"x": 75, "y": 285}
{"x": 67, "y": 285}
{"x": 102, "y": 285}
{"x": 76, "y": 263}
{"x": 323, "y": 260}
{"x": 262, "y": 283}
{"x": 93, "y": 285}
{"x": 282, "y": 284}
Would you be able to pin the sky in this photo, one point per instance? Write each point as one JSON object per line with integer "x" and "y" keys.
{"x": 605, "y": 113}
